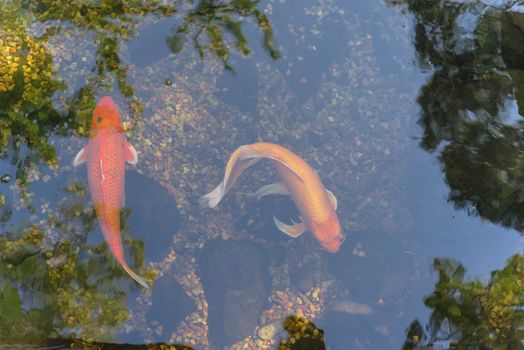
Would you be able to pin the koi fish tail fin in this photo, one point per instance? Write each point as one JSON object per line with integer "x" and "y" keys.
{"x": 240, "y": 160}
{"x": 211, "y": 199}
{"x": 135, "y": 276}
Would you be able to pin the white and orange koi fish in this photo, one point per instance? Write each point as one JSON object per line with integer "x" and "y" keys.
{"x": 315, "y": 203}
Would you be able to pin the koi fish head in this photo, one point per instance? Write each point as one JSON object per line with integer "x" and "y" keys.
{"x": 106, "y": 115}
{"x": 329, "y": 233}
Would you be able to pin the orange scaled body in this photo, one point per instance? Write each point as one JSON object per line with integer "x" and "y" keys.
{"x": 316, "y": 204}
{"x": 106, "y": 154}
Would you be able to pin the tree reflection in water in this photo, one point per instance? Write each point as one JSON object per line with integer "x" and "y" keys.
{"x": 54, "y": 284}
{"x": 469, "y": 112}
{"x": 466, "y": 105}
{"x": 29, "y": 80}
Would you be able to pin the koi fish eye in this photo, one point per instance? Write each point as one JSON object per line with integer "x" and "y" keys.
{"x": 99, "y": 120}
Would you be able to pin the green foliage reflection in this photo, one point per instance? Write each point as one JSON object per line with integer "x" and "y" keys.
{"x": 473, "y": 314}
{"x": 466, "y": 107}
{"x": 29, "y": 81}
{"x": 215, "y": 18}
{"x": 56, "y": 285}
{"x": 112, "y": 21}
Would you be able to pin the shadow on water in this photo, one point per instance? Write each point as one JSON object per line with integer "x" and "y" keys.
{"x": 153, "y": 216}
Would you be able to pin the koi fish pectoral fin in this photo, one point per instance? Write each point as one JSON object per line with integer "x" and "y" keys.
{"x": 130, "y": 154}
{"x": 332, "y": 199}
{"x": 294, "y": 230}
{"x": 81, "y": 156}
{"x": 274, "y": 188}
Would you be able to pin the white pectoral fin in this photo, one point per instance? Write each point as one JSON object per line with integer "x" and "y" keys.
{"x": 81, "y": 156}
{"x": 294, "y": 230}
{"x": 130, "y": 154}
{"x": 332, "y": 199}
{"x": 274, "y": 188}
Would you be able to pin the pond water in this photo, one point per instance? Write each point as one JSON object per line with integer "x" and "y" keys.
{"x": 409, "y": 111}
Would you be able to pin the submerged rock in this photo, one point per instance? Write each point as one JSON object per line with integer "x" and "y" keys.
{"x": 235, "y": 280}
{"x": 170, "y": 307}
{"x": 154, "y": 216}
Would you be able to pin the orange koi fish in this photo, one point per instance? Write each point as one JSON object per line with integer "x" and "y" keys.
{"x": 106, "y": 154}
{"x": 315, "y": 203}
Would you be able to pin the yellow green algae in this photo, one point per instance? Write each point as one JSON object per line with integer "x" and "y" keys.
{"x": 26, "y": 87}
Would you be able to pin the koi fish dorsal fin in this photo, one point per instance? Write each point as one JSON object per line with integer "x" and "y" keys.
{"x": 239, "y": 161}
{"x": 81, "y": 156}
{"x": 294, "y": 230}
{"x": 332, "y": 199}
{"x": 130, "y": 153}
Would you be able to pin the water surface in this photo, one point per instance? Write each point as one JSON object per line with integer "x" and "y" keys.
{"x": 409, "y": 111}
